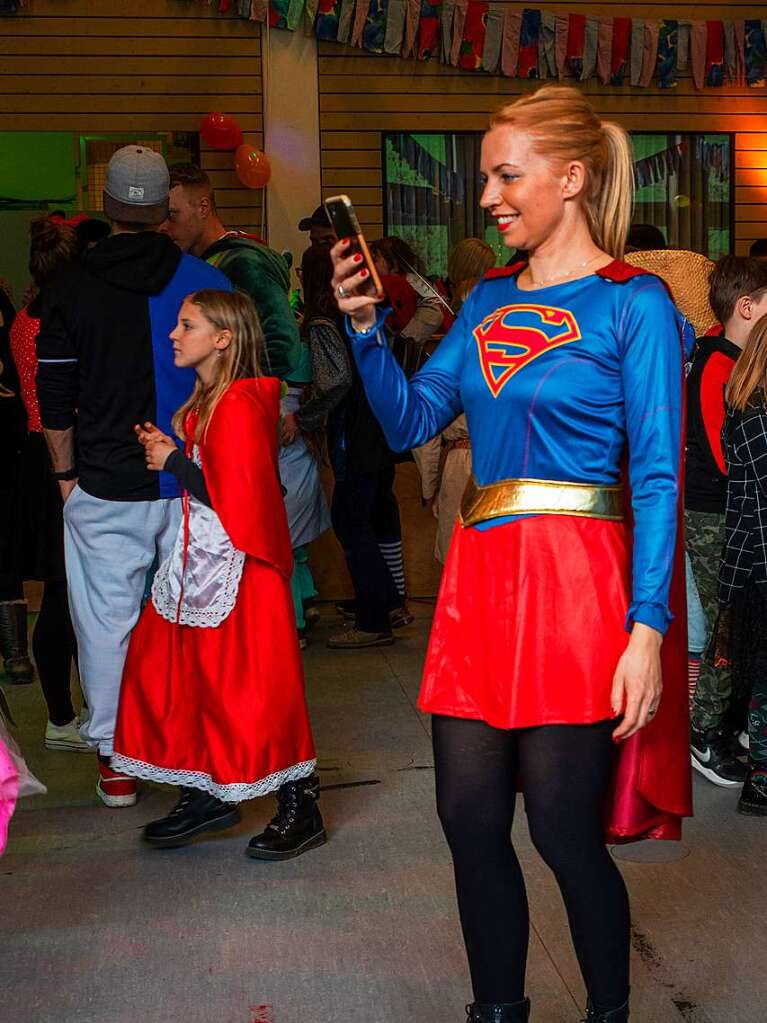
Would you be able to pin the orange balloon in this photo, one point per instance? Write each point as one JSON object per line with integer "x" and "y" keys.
{"x": 252, "y": 166}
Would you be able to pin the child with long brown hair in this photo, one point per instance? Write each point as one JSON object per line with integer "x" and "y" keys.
{"x": 742, "y": 629}
{"x": 212, "y": 696}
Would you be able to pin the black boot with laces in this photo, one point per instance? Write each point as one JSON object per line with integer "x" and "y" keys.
{"x": 498, "y": 1012}
{"x": 194, "y": 813}
{"x": 594, "y": 1015}
{"x": 297, "y": 826}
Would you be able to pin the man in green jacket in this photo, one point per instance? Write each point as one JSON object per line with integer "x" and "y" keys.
{"x": 250, "y": 265}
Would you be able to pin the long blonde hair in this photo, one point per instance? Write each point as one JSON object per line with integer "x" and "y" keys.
{"x": 564, "y": 126}
{"x": 235, "y": 312}
{"x": 749, "y": 375}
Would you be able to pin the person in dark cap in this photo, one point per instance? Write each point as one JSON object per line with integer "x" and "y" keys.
{"x": 321, "y": 233}
{"x": 645, "y": 237}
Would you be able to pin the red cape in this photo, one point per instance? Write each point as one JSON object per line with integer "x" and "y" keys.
{"x": 239, "y": 458}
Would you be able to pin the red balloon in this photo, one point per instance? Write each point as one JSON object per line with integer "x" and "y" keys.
{"x": 252, "y": 166}
{"x": 220, "y": 131}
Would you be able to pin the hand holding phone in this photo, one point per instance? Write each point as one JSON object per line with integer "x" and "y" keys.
{"x": 356, "y": 284}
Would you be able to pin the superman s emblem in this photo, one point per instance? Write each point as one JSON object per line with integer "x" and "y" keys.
{"x": 515, "y": 335}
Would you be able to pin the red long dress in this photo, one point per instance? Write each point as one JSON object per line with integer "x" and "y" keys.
{"x": 221, "y": 707}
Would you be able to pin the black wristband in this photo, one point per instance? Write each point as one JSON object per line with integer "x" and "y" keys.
{"x": 66, "y": 475}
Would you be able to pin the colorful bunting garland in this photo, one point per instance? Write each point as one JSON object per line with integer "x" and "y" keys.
{"x": 517, "y": 42}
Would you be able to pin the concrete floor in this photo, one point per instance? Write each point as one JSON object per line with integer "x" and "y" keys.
{"x": 94, "y": 927}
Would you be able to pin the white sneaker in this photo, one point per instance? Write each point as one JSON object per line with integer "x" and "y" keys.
{"x": 66, "y": 737}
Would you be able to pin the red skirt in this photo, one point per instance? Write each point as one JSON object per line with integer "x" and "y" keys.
{"x": 528, "y": 631}
{"x": 219, "y": 709}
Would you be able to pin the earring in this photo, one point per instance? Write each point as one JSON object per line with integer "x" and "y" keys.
{"x": 219, "y": 352}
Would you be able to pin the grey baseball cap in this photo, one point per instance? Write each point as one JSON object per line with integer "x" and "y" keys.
{"x": 136, "y": 186}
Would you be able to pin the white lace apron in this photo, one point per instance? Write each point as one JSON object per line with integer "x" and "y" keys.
{"x": 197, "y": 583}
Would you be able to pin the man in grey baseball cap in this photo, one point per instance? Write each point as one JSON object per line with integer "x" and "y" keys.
{"x": 136, "y": 187}
{"x": 105, "y": 363}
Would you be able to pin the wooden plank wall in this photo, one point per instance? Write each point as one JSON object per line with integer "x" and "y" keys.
{"x": 362, "y": 95}
{"x": 151, "y": 65}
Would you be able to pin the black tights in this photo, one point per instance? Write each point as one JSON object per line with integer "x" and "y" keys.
{"x": 53, "y": 646}
{"x": 564, "y": 772}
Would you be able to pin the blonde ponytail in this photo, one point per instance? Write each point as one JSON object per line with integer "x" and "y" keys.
{"x": 564, "y": 126}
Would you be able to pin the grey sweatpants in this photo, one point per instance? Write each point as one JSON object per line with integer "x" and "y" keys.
{"x": 109, "y": 547}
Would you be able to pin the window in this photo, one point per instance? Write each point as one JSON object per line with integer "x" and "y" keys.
{"x": 432, "y": 190}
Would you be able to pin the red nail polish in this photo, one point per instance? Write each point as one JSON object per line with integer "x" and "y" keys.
{"x": 363, "y": 273}
{"x": 344, "y": 241}
{"x": 358, "y": 257}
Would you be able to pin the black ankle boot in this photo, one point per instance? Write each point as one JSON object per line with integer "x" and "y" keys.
{"x": 194, "y": 813}
{"x": 619, "y": 1015}
{"x": 498, "y": 1012}
{"x": 13, "y": 642}
{"x": 296, "y": 827}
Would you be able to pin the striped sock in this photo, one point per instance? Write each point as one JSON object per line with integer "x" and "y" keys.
{"x": 693, "y": 673}
{"x": 392, "y": 555}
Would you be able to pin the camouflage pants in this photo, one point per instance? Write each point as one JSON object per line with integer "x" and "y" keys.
{"x": 704, "y": 540}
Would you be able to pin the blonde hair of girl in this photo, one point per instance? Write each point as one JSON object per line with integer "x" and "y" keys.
{"x": 749, "y": 375}
{"x": 235, "y": 312}
{"x": 564, "y": 126}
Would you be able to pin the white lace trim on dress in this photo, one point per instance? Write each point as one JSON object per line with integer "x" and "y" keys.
{"x": 235, "y": 792}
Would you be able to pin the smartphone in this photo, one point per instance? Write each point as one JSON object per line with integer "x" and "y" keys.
{"x": 344, "y": 220}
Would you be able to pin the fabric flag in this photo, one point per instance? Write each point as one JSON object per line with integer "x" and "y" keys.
{"x": 605, "y": 50}
{"x": 374, "y": 29}
{"x": 360, "y": 20}
{"x": 491, "y": 54}
{"x": 459, "y": 20}
{"x": 575, "y": 42}
{"x": 547, "y": 64}
{"x": 561, "y": 28}
{"x": 345, "y": 19}
{"x": 512, "y": 30}
{"x": 259, "y": 9}
{"x": 278, "y": 13}
{"x": 446, "y": 29}
{"x": 740, "y": 45}
{"x": 734, "y": 56}
{"x": 650, "y": 54}
{"x": 756, "y": 58}
{"x": 715, "y": 53}
{"x": 395, "y": 26}
{"x": 295, "y": 13}
{"x": 683, "y": 51}
{"x": 528, "y": 44}
{"x": 224, "y": 6}
{"x": 590, "y": 39}
{"x": 243, "y": 8}
{"x": 668, "y": 46}
{"x": 698, "y": 36}
{"x": 310, "y": 16}
{"x": 411, "y": 28}
{"x": 474, "y": 32}
{"x": 429, "y": 28}
{"x": 326, "y": 24}
{"x": 637, "y": 49}
{"x": 620, "y": 54}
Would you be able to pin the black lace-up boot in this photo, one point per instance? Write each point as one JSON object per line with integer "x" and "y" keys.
{"x": 619, "y": 1015}
{"x": 13, "y": 642}
{"x": 498, "y": 1012}
{"x": 195, "y": 813}
{"x": 296, "y": 827}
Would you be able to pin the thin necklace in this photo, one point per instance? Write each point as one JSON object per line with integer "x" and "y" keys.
{"x": 561, "y": 277}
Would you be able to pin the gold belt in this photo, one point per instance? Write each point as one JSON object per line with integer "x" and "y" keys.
{"x": 539, "y": 497}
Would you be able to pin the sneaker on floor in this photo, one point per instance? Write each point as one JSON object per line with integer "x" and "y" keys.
{"x": 115, "y": 789}
{"x": 356, "y": 639}
{"x": 66, "y": 737}
{"x": 398, "y": 618}
{"x": 753, "y": 798}
{"x": 713, "y": 757}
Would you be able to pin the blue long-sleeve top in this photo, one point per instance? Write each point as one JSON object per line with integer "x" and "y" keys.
{"x": 561, "y": 383}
